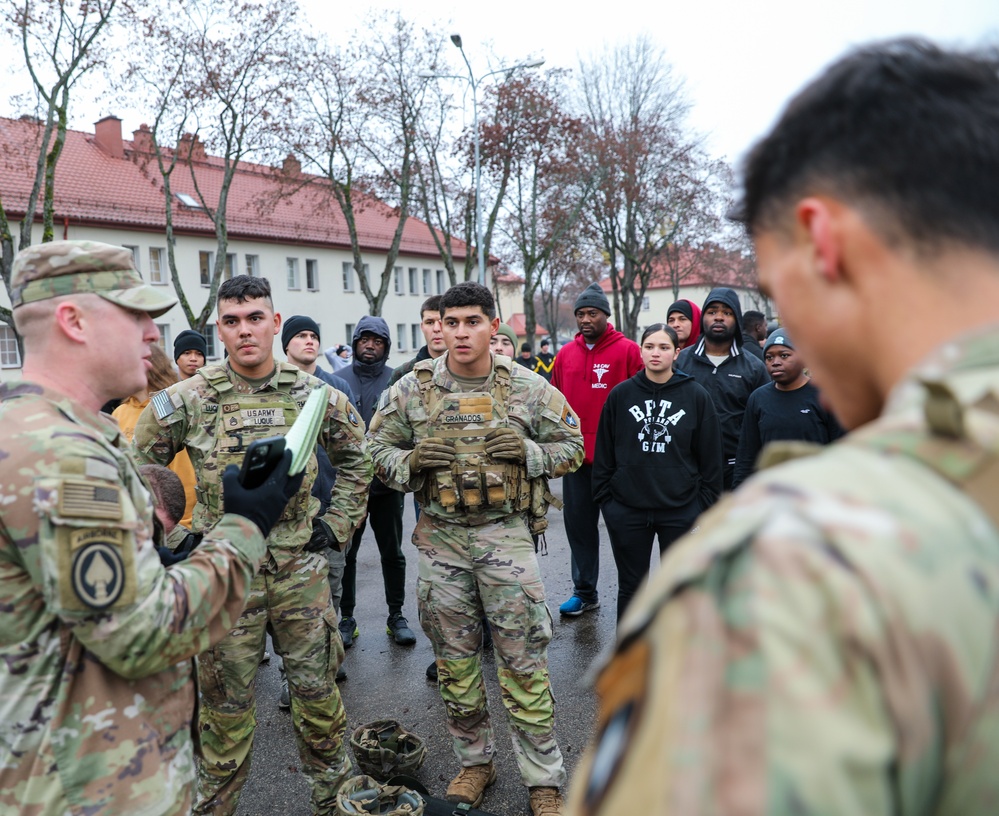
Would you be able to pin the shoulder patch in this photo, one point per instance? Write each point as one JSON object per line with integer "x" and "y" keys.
{"x": 163, "y": 405}
{"x": 569, "y": 418}
{"x": 79, "y": 499}
{"x": 98, "y": 572}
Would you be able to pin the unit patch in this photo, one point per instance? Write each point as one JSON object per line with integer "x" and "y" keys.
{"x": 569, "y": 418}
{"x": 352, "y": 417}
{"x": 98, "y": 573}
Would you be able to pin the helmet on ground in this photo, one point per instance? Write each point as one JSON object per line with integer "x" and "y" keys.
{"x": 362, "y": 795}
{"x": 384, "y": 748}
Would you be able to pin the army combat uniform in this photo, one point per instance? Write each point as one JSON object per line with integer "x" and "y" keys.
{"x": 828, "y": 641}
{"x": 96, "y": 688}
{"x": 216, "y": 415}
{"x": 476, "y": 552}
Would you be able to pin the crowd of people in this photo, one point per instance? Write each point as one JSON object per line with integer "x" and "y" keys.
{"x": 822, "y": 639}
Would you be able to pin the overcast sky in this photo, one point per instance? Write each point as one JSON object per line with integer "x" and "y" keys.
{"x": 741, "y": 60}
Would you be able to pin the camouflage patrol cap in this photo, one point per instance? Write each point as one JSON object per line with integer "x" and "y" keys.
{"x": 57, "y": 268}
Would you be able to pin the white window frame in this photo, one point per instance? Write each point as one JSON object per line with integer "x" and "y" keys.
{"x": 399, "y": 279}
{"x": 135, "y": 255}
{"x": 400, "y": 337}
{"x": 348, "y": 276}
{"x": 206, "y": 266}
{"x": 253, "y": 265}
{"x": 441, "y": 286}
{"x": 212, "y": 342}
{"x": 416, "y": 335}
{"x": 291, "y": 273}
{"x": 165, "y": 339}
{"x": 10, "y": 355}
{"x": 414, "y": 280}
{"x": 427, "y": 282}
{"x": 311, "y": 275}
{"x": 159, "y": 273}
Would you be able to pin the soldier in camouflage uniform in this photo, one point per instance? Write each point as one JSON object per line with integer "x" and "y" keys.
{"x": 475, "y": 436}
{"x": 96, "y": 637}
{"x": 826, "y": 642}
{"x": 216, "y": 414}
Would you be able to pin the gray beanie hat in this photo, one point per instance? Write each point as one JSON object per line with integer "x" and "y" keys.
{"x": 593, "y": 296}
{"x": 778, "y": 338}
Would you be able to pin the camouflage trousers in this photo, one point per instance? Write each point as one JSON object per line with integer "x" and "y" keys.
{"x": 296, "y": 602}
{"x": 491, "y": 571}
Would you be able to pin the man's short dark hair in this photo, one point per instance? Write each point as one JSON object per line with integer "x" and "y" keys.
{"x": 469, "y": 293}
{"x": 245, "y": 287}
{"x": 752, "y": 320}
{"x": 904, "y": 131}
{"x": 431, "y": 304}
{"x": 167, "y": 489}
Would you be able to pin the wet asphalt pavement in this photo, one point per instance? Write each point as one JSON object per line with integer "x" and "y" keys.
{"x": 385, "y": 680}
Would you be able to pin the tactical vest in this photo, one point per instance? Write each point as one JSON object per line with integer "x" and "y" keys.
{"x": 242, "y": 418}
{"x": 475, "y": 488}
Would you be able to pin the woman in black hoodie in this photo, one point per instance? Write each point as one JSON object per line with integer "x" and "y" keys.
{"x": 658, "y": 462}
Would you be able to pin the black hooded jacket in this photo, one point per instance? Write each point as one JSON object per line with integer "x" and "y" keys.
{"x": 731, "y": 382}
{"x": 658, "y": 445}
{"x": 368, "y": 380}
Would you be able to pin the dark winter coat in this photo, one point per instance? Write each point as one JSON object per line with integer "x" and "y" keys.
{"x": 658, "y": 445}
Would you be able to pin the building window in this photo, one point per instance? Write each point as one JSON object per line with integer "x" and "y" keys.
{"x": 9, "y": 355}
{"x": 165, "y": 338}
{"x": 400, "y": 281}
{"x": 135, "y": 255}
{"x": 158, "y": 272}
{"x": 416, "y": 335}
{"x": 231, "y": 264}
{"x": 350, "y": 335}
{"x": 312, "y": 276}
{"x": 414, "y": 286}
{"x": 253, "y": 266}
{"x": 426, "y": 282}
{"x": 212, "y": 341}
{"x": 646, "y": 303}
{"x": 348, "y": 277}
{"x": 206, "y": 264}
{"x": 440, "y": 282}
{"x": 293, "y": 281}
{"x": 400, "y": 336}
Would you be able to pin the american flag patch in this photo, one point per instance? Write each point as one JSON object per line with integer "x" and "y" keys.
{"x": 163, "y": 405}
{"x": 83, "y": 500}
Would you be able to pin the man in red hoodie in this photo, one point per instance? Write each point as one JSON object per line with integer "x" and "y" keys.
{"x": 585, "y": 371}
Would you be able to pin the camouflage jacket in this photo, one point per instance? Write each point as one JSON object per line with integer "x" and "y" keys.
{"x": 534, "y": 408}
{"x": 215, "y": 415}
{"x": 827, "y": 640}
{"x": 97, "y": 698}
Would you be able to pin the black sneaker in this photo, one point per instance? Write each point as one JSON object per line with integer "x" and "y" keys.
{"x": 348, "y": 631}
{"x": 341, "y": 675}
{"x": 398, "y": 627}
{"x": 432, "y": 672}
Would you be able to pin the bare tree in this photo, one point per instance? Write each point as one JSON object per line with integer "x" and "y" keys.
{"x": 61, "y": 43}
{"x": 654, "y": 184}
{"x": 219, "y": 72}
{"x": 356, "y": 128}
{"x": 532, "y": 144}
{"x": 574, "y": 264}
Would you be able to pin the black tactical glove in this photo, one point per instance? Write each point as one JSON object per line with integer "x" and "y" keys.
{"x": 432, "y": 452}
{"x": 262, "y": 505}
{"x": 506, "y": 444}
{"x": 184, "y": 549}
{"x": 322, "y": 537}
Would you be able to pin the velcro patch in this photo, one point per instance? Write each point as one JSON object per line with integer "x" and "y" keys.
{"x": 476, "y": 405}
{"x": 87, "y": 500}
{"x": 163, "y": 405}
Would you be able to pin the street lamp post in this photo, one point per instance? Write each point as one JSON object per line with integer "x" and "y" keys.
{"x": 474, "y": 84}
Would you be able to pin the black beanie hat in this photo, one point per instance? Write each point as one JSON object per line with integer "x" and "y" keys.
{"x": 189, "y": 340}
{"x": 295, "y": 324}
{"x": 593, "y": 296}
{"x": 683, "y": 307}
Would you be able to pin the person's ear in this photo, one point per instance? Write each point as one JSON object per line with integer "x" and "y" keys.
{"x": 818, "y": 222}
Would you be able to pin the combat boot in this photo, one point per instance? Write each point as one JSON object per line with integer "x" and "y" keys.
{"x": 545, "y": 801}
{"x": 469, "y": 786}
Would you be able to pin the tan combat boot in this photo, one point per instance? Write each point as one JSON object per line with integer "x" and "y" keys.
{"x": 469, "y": 786}
{"x": 545, "y": 802}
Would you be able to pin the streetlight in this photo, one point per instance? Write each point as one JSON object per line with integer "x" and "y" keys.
{"x": 474, "y": 83}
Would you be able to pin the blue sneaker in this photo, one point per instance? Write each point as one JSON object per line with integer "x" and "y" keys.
{"x": 577, "y": 606}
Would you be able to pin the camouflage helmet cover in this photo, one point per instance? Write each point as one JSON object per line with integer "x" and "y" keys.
{"x": 384, "y": 748}
{"x": 49, "y": 270}
{"x": 362, "y": 795}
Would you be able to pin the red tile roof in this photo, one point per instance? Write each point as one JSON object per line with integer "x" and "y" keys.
{"x": 518, "y": 322}
{"x": 94, "y": 188}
